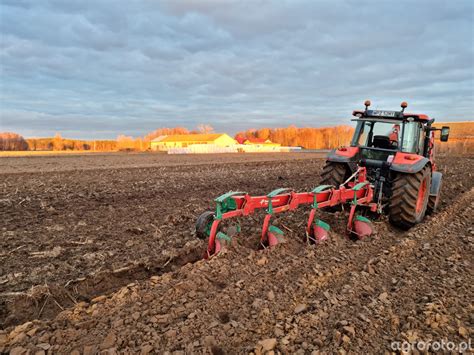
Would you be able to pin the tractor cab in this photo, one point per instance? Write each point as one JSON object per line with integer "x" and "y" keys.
{"x": 393, "y": 139}
{"x": 381, "y": 134}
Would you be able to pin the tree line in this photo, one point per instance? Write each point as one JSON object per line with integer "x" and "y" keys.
{"x": 14, "y": 141}
{"x": 309, "y": 138}
{"x": 58, "y": 143}
{"x": 461, "y": 139}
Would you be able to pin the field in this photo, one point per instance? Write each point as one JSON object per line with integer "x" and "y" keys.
{"x": 98, "y": 252}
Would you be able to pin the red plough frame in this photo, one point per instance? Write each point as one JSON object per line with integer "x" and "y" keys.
{"x": 358, "y": 192}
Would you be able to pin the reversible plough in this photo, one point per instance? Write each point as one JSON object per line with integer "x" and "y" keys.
{"x": 356, "y": 190}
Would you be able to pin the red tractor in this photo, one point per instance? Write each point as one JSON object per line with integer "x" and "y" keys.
{"x": 388, "y": 168}
{"x": 397, "y": 149}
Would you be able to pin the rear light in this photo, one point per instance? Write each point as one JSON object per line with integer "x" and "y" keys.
{"x": 390, "y": 158}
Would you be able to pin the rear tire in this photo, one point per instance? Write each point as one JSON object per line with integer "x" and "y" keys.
{"x": 410, "y": 195}
{"x": 334, "y": 174}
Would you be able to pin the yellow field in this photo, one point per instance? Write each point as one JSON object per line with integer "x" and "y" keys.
{"x": 461, "y": 138}
{"x": 25, "y": 153}
{"x": 458, "y": 130}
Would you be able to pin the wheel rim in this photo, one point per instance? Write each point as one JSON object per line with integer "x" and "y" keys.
{"x": 203, "y": 224}
{"x": 420, "y": 202}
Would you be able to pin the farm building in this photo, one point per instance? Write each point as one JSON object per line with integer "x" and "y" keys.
{"x": 261, "y": 142}
{"x": 257, "y": 142}
{"x": 185, "y": 140}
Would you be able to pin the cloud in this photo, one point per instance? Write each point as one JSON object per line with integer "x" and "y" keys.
{"x": 94, "y": 68}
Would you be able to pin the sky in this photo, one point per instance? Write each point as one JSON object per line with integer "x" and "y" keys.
{"x": 99, "y": 68}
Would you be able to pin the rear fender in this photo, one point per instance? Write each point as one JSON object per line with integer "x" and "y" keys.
{"x": 408, "y": 163}
{"x": 343, "y": 154}
{"x": 436, "y": 178}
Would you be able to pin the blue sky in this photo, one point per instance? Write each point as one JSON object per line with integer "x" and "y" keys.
{"x": 96, "y": 69}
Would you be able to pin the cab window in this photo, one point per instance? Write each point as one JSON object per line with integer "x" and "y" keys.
{"x": 383, "y": 135}
{"x": 410, "y": 135}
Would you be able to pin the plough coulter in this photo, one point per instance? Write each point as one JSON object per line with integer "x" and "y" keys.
{"x": 388, "y": 168}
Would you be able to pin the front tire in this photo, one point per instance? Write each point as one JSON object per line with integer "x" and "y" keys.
{"x": 410, "y": 195}
{"x": 334, "y": 174}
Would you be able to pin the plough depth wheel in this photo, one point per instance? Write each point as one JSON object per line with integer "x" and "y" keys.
{"x": 203, "y": 224}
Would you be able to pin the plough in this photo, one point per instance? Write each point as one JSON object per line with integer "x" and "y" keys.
{"x": 356, "y": 190}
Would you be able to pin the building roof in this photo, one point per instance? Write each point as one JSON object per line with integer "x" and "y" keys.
{"x": 259, "y": 141}
{"x": 256, "y": 140}
{"x": 192, "y": 137}
{"x": 159, "y": 138}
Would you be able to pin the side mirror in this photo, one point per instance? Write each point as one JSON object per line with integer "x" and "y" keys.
{"x": 444, "y": 134}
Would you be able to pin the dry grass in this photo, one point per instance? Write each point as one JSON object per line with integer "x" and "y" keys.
{"x": 26, "y": 153}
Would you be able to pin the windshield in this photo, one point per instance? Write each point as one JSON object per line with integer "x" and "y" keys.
{"x": 375, "y": 134}
{"x": 388, "y": 135}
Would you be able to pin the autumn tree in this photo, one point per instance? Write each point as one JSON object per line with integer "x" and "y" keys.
{"x": 264, "y": 133}
{"x": 58, "y": 143}
{"x": 12, "y": 141}
{"x": 125, "y": 142}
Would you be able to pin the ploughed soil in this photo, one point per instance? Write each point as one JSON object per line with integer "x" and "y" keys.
{"x": 104, "y": 257}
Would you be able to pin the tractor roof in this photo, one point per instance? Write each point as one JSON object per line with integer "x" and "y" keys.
{"x": 393, "y": 115}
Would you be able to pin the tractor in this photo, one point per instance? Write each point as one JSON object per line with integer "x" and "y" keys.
{"x": 388, "y": 169}
{"x": 397, "y": 149}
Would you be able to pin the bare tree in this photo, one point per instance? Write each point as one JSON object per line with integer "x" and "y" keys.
{"x": 205, "y": 128}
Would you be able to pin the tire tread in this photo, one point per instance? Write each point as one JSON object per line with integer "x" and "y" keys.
{"x": 402, "y": 207}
